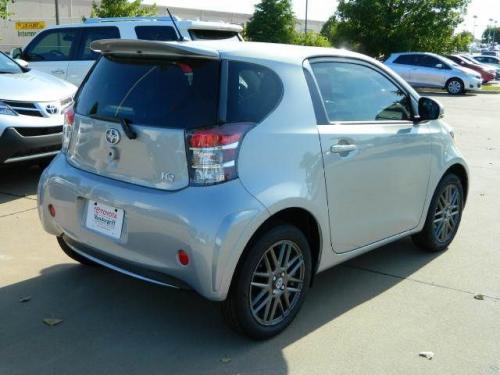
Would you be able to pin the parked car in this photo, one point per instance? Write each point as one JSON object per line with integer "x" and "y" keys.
{"x": 487, "y": 52}
{"x": 490, "y": 60}
{"x": 64, "y": 50}
{"x": 31, "y": 106}
{"x": 422, "y": 69}
{"x": 487, "y": 74}
{"x": 215, "y": 167}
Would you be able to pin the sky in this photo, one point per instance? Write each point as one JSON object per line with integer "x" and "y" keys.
{"x": 322, "y": 9}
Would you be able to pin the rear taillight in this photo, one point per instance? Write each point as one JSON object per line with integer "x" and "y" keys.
{"x": 212, "y": 153}
{"x": 69, "y": 119}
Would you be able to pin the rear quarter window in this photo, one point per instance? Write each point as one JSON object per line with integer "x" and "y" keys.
{"x": 199, "y": 34}
{"x": 164, "y": 33}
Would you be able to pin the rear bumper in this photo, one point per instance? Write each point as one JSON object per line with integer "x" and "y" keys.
{"x": 15, "y": 147}
{"x": 212, "y": 224}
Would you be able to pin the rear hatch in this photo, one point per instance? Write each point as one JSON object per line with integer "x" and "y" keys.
{"x": 132, "y": 114}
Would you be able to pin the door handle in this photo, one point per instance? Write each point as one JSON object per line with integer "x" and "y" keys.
{"x": 341, "y": 149}
{"x": 57, "y": 71}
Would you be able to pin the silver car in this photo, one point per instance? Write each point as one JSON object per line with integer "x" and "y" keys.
{"x": 422, "y": 69}
{"x": 31, "y": 106}
{"x": 242, "y": 170}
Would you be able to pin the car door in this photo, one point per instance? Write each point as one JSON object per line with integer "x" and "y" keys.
{"x": 84, "y": 56}
{"x": 376, "y": 160}
{"x": 51, "y": 50}
{"x": 430, "y": 71}
{"x": 404, "y": 65}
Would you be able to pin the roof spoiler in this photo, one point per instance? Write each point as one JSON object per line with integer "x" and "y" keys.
{"x": 151, "y": 48}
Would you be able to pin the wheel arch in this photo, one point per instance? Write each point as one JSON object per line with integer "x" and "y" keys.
{"x": 298, "y": 217}
{"x": 460, "y": 171}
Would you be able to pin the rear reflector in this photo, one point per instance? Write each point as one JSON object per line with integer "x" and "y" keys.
{"x": 183, "y": 257}
{"x": 52, "y": 210}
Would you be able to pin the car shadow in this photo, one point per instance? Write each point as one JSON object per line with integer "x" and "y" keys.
{"x": 19, "y": 181}
{"x": 430, "y": 92}
{"x": 113, "y": 324}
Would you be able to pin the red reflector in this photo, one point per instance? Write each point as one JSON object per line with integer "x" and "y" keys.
{"x": 183, "y": 257}
{"x": 52, "y": 210}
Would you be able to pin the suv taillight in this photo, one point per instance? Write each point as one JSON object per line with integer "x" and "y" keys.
{"x": 69, "y": 118}
{"x": 212, "y": 153}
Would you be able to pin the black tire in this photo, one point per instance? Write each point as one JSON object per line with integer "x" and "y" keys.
{"x": 455, "y": 86}
{"x": 73, "y": 254}
{"x": 428, "y": 239}
{"x": 237, "y": 309}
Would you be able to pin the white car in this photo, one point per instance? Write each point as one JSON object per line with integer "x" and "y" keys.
{"x": 32, "y": 106}
{"x": 422, "y": 69}
{"x": 64, "y": 50}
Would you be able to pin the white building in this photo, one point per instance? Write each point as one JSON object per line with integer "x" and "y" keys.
{"x": 30, "y": 16}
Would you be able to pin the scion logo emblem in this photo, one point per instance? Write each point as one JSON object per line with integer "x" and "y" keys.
{"x": 112, "y": 136}
{"x": 51, "y": 109}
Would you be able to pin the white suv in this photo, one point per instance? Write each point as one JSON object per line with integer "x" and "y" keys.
{"x": 64, "y": 50}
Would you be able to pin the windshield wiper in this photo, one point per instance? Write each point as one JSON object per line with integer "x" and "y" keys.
{"x": 127, "y": 129}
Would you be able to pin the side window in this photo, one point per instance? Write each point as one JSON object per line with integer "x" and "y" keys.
{"x": 429, "y": 61}
{"x": 406, "y": 60}
{"x": 95, "y": 33}
{"x": 199, "y": 34}
{"x": 253, "y": 91}
{"x": 51, "y": 45}
{"x": 353, "y": 92}
{"x": 163, "y": 33}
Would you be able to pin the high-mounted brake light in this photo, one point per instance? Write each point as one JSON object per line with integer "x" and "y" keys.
{"x": 69, "y": 119}
{"x": 213, "y": 151}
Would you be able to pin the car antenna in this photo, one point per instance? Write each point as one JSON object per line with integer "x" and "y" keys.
{"x": 179, "y": 35}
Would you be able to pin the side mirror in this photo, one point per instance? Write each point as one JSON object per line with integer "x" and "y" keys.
{"x": 439, "y": 66}
{"x": 16, "y": 53}
{"x": 429, "y": 109}
{"x": 21, "y": 62}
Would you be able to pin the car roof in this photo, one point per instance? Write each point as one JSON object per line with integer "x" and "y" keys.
{"x": 293, "y": 54}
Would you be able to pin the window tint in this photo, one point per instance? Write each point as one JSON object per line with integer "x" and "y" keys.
{"x": 253, "y": 92}
{"x": 164, "y": 93}
{"x": 95, "y": 33}
{"x": 155, "y": 33}
{"x": 353, "y": 92}
{"x": 213, "y": 34}
{"x": 406, "y": 60}
{"x": 429, "y": 61}
{"x": 52, "y": 45}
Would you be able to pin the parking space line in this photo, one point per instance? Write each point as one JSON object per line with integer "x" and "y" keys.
{"x": 417, "y": 281}
{"x": 18, "y": 212}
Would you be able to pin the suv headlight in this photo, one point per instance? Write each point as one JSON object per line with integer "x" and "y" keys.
{"x": 6, "y": 110}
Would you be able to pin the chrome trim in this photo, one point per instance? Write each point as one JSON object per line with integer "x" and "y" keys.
{"x": 118, "y": 269}
{"x": 31, "y": 157}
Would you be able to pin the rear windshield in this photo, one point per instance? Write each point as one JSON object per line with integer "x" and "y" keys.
{"x": 165, "y": 93}
{"x": 182, "y": 94}
{"x": 198, "y": 34}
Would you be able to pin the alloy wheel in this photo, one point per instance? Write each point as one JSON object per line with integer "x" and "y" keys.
{"x": 277, "y": 283}
{"x": 447, "y": 214}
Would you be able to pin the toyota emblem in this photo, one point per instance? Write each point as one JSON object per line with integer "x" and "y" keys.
{"x": 113, "y": 136}
{"x": 51, "y": 109}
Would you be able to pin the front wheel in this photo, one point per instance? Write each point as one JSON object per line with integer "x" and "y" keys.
{"x": 270, "y": 284}
{"x": 444, "y": 215}
{"x": 455, "y": 86}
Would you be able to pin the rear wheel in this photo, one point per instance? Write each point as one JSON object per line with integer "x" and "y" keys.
{"x": 73, "y": 254}
{"x": 455, "y": 86}
{"x": 444, "y": 215}
{"x": 270, "y": 284}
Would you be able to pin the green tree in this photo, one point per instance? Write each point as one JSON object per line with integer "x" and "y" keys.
{"x": 379, "y": 27}
{"x": 329, "y": 29}
{"x": 311, "y": 38}
{"x": 461, "y": 42}
{"x": 490, "y": 34}
{"x": 121, "y": 8}
{"x": 4, "y": 13}
{"x": 273, "y": 21}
